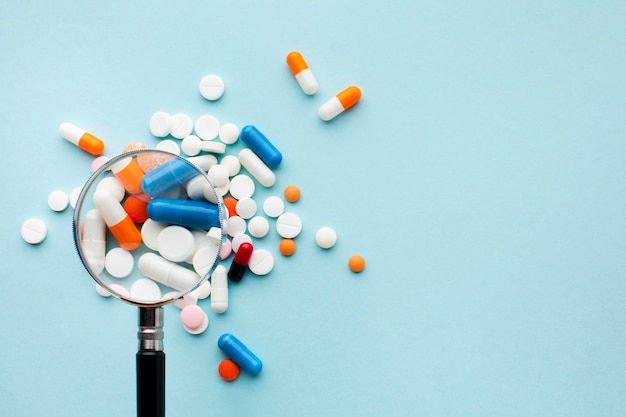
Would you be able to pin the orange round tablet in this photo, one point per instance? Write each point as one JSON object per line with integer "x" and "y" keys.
{"x": 231, "y": 205}
{"x": 356, "y": 263}
{"x": 287, "y": 247}
{"x": 228, "y": 370}
{"x": 292, "y": 193}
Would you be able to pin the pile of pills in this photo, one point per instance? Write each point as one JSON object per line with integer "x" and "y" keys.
{"x": 138, "y": 205}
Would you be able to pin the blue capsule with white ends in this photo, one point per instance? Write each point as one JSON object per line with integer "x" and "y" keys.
{"x": 240, "y": 354}
{"x": 168, "y": 176}
{"x": 261, "y": 146}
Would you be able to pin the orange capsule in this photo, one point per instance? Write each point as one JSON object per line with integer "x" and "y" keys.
{"x": 84, "y": 140}
{"x": 341, "y": 102}
{"x": 129, "y": 173}
{"x": 301, "y": 71}
{"x": 117, "y": 220}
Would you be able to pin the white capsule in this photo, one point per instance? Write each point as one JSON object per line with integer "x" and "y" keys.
{"x": 219, "y": 289}
{"x": 203, "y": 162}
{"x": 256, "y": 167}
{"x": 94, "y": 241}
{"x": 193, "y": 145}
{"x": 114, "y": 186}
{"x": 167, "y": 273}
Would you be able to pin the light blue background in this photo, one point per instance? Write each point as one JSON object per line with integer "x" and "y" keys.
{"x": 482, "y": 176}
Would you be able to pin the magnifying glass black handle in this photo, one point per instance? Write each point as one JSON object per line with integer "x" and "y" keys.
{"x": 151, "y": 384}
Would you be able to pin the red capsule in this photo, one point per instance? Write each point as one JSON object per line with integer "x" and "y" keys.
{"x": 240, "y": 262}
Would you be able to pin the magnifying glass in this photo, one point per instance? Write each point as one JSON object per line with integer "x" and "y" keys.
{"x": 148, "y": 227}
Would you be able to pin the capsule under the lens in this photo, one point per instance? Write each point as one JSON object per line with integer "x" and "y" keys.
{"x": 167, "y": 176}
{"x": 187, "y": 213}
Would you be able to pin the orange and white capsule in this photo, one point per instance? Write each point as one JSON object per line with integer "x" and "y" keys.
{"x": 341, "y": 102}
{"x": 300, "y": 69}
{"x": 117, "y": 220}
{"x": 83, "y": 139}
{"x": 129, "y": 173}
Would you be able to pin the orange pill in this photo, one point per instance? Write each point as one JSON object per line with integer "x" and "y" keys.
{"x": 135, "y": 205}
{"x": 292, "y": 193}
{"x": 356, "y": 263}
{"x": 287, "y": 247}
{"x": 341, "y": 102}
{"x": 81, "y": 138}
{"x": 228, "y": 370}
{"x": 231, "y": 205}
{"x": 129, "y": 173}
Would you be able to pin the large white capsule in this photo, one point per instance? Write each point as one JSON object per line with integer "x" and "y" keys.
{"x": 255, "y": 166}
{"x": 94, "y": 241}
{"x": 167, "y": 273}
{"x": 219, "y": 289}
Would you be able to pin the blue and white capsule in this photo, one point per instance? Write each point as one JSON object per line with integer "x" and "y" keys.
{"x": 168, "y": 176}
{"x": 187, "y": 213}
{"x": 261, "y": 146}
{"x": 240, "y": 354}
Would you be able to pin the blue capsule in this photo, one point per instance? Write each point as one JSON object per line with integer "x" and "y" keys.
{"x": 167, "y": 176}
{"x": 239, "y": 353}
{"x": 187, "y": 213}
{"x": 261, "y": 146}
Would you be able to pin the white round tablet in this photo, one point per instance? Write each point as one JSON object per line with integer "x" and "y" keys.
{"x": 218, "y": 174}
{"x": 246, "y": 208}
{"x": 238, "y": 240}
{"x": 176, "y": 243}
{"x": 119, "y": 289}
{"x": 160, "y": 124}
{"x": 232, "y": 163}
{"x": 150, "y": 233}
{"x": 181, "y": 125}
{"x": 261, "y": 262}
{"x": 211, "y": 87}
{"x": 188, "y": 299}
{"x": 273, "y": 206}
{"x": 204, "y": 290}
{"x": 168, "y": 145}
{"x": 58, "y": 200}
{"x": 258, "y": 226}
{"x": 229, "y": 133}
{"x": 214, "y": 235}
{"x": 74, "y": 195}
{"x": 144, "y": 289}
{"x": 191, "y": 145}
{"x": 207, "y": 127}
{"x": 241, "y": 186}
{"x": 235, "y": 226}
{"x": 103, "y": 292}
{"x": 326, "y": 237}
{"x": 288, "y": 225}
{"x": 204, "y": 259}
{"x": 119, "y": 263}
{"x": 34, "y": 231}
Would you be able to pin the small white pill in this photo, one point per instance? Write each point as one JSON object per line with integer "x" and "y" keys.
{"x": 160, "y": 124}
{"x": 181, "y": 125}
{"x": 188, "y": 299}
{"x": 119, "y": 263}
{"x": 207, "y": 127}
{"x": 258, "y": 226}
{"x": 326, "y": 237}
{"x": 193, "y": 145}
{"x": 211, "y": 87}
{"x": 218, "y": 174}
{"x": 204, "y": 259}
{"x": 288, "y": 225}
{"x": 113, "y": 186}
{"x": 176, "y": 243}
{"x": 219, "y": 289}
{"x": 119, "y": 289}
{"x": 273, "y": 206}
{"x": 261, "y": 262}
{"x": 203, "y": 162}
{"x": 246, "y": 208}
{"x": 74, "y": 196}
{"x": 238, "y": 240}
{"x": 103, "y": 292}
{"x": 235, "y": 226}
{"x": 215, "y": 235}
{"x": 144, "y": 289}
{"x": 150, "y": 233}
{"x": 232, "y": 163}
{"x": 229, "y": 133}
{"x": 58, "y": 200}
{"x": 241, "y": 186}
{"x": 168, "y": 145}
{"x": 34, "y": 231}
{"x": 204, "y": 290}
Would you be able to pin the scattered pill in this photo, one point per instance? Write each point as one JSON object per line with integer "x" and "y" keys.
{"x": 261, "y": 262}
{"x": 204, "y": 290}
{"x": 219, "y": 289}
{"x": 58, "y": 200}
{"x": 112, "y": 185}
{"x": 288, "y": 225}
{"x": 176, "y": 243}
{"x": 191, "y": 298}
{"x": 239, "y": 239}
{"x": 211, "y": 87}
{"x": 181, "y": 125}
{"x": 98, "y": 162}
{"x": 168, "y": 145}
{"x": 167, "y": 176}
{"x": 239, "y": 353}
{"x": 292, "y": 193}
{"x": 160, "y": 124}
{"x": 93, "y": 241}
{"x": 287, "y": 247}
{"x": 203, "y": 162}
{"x": 356, "y": 263}
{"x": 246, "y": 208}
{"x": 135, "y": 205}
{"x": 207, "y": 127}
{"x": 34, "y": 231}
{"x": 218, "y": 174}
{"x": 150, "y": 232}
{"x": 120, "y": 225}
{"x": 119, "y": 263}
{"x": 240, "y": 262}
{"x": 128, "y": 173}
{"x": 261, "y": 146}
{"x": 194, "y": 319}
{"x": 103, "y": 292}
{"x": 144, "y": 289}
{"x": 229, "y": 133}
{"x": 242, "y": 186}
{"x": 326, "y": 237}
{"x": 236, "y": 225}
{"x": 273, "y": 206}
{"x": 74, "y": 194}
{"x": 258, "y": 226}
{"x": 256, "y": 167}
{"x": 228, "y": 370}
{"x": 341, "y": 102}
{"x": 166, "y": 272}
{"x": 301, "y": 71}
{"x": 192, "y": 145}
{"x": 226, "y": 250}
{"x": 118, "y": 290}
{"x": 187, "y": 213}
{"x": 204, "y": 259}
{"x": 81, "y": 138}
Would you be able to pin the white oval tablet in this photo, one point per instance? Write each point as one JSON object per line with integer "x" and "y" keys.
{"x": 229, "y": 133}
{"x": 144, "y": 289}
{"x": 119, "y": 263}
{"x": 241, "y": 186}
{"x": 261, "y": 262}
{"x": 239, "y": 239}
{"x": 160, "y": 124}
{"x": 235, "y": 226}
{"x": 273, "y": 206}
{"x": 231, "y": 162}
{"x": 34, "y": 231}
{"x": 181, "y": 125}
{"x": 246, "y": 208}
{"x": 150, "y": 233}
{"x": 176, "y": 243}
{"x": 211, "y": 87}
{"x": 258, "y": 226}
{"x": 74, "y": 196}
{"x": 288, "y": 225}
{"x": 326, "y": 237}
{"x": 58, "y": 200}
{"x": 207, "y": 127}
